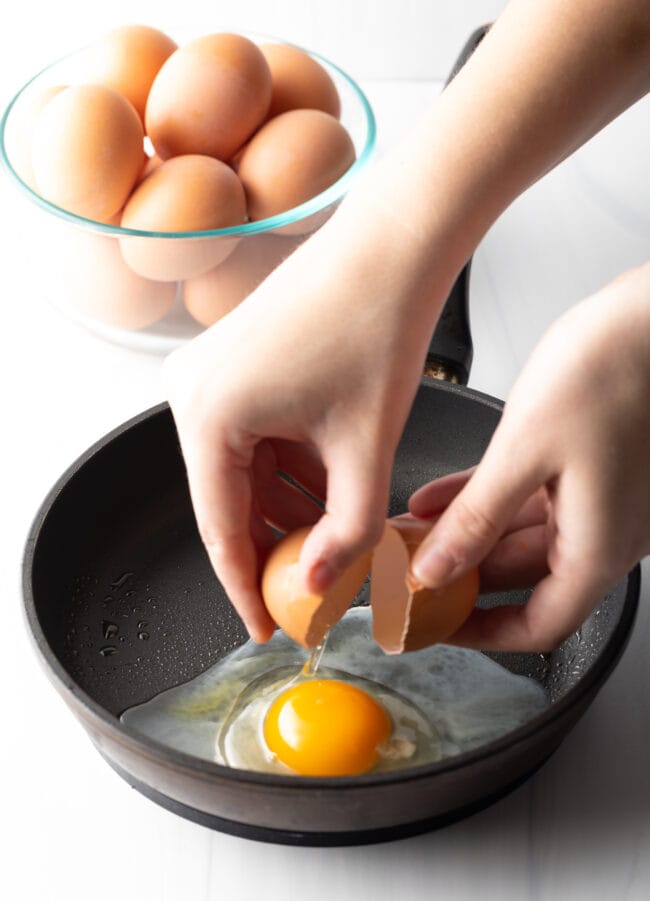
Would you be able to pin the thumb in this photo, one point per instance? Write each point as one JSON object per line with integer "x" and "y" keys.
{"x": 356, "y": 506}
{"x": 477, "y": 517}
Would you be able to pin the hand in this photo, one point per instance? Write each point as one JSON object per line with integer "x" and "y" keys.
{"x": 313, "y": 374}
{"x": 565, "y": 482}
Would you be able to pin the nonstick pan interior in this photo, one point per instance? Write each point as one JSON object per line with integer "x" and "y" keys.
{"x": 122, "y": 603}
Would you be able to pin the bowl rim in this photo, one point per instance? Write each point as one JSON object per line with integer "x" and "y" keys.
{"x": 331, "y": 195}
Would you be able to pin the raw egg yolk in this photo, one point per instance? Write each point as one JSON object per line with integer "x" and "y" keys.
{"x": 325, "y": 727}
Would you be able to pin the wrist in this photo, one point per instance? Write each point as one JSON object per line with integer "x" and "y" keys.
{"x": 406, "y": 206}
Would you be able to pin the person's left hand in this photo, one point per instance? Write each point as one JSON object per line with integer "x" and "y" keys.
{"x": 518, "y": 559}
{"x": 562, "y": 493}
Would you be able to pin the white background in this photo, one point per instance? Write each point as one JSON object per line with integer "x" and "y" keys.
{"x": 72, "y": 828}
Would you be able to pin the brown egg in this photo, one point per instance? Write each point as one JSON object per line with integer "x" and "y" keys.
{"x": 208, "y": 97}
{"x": 306, "y": 617}
{"x": 187, "y": 193}
{"x": 20, "y": 130}
{"x": 405, "y": 615}
{"x": 100, "y": 287}
{"x": 210, "y": 296}
{"x": 150, "y": 163}
{"x": 128, "y": 59}
{"x": 87, "y": 150}
{"x": 292, "y": 158}
{"x": 299, "y": 82}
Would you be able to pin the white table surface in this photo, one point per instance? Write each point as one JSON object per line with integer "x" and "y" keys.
{"x": 74, "y": 830}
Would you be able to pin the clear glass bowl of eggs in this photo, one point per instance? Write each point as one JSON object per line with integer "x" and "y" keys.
{"x": 168, "y": 177}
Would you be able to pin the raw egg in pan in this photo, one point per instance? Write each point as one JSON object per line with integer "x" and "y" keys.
{"x": 255, "y": 709}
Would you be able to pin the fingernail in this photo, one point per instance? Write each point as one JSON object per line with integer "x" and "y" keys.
{"x": 432, "y": 566}
{"x": 322, "y": 576}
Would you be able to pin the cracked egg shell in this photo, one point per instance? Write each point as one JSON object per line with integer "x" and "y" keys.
{"x": 407, "y": 616}
{"x": 303, "y": 616}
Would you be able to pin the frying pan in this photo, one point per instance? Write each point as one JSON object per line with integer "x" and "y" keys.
{"x": 122, "y": 603}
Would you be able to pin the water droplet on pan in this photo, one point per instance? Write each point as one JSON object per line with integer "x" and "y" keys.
{"x": 121, "y": 580}
{"x": 109, "y": 629}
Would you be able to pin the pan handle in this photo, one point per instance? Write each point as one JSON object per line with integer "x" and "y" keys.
{"x": 450, "y": 351}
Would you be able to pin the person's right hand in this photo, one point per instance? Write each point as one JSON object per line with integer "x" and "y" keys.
{"x": 313, "y": 375}
{"x": 563, "y": 490}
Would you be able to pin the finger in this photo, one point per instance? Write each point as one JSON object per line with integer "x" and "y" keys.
{"x": 431, "y": 500}
{"x": 518, "y": 560}
{"x": 264, "y": 540}
{"x": 220, "y": 486}
{"x": 357, "y": 501}
{"x": 533, "y": 512}
{"x": 279, "y": 502}
{"x": 303, "y": 463}
{"x": 477, "y": 517}
{"x": 263, "y": 535}
{"x": 557, "y": 607}
{"x": 285, "y": 506}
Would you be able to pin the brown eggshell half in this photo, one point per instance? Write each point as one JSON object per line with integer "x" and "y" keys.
{"x": 303, "y": 616}
{"x": 406, "y": 616}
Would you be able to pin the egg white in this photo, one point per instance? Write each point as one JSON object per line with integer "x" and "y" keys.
{"x": 442, "y": 700}
{"x": 240, "y": 741}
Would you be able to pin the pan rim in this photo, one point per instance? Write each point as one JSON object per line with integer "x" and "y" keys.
{"x": 592, "y": 681}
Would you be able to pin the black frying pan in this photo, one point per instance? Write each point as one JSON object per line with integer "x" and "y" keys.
{"x": 122, "y": 603}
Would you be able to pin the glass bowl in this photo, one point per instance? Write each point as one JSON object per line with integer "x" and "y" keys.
{"x": 174, "y": 283}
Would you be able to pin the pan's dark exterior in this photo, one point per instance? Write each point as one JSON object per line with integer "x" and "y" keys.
{"x": 121, "y": 602}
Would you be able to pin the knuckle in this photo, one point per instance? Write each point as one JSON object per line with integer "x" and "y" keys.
{"x": 547, "y": 639}
{"x": 470, "y": 521}
{"x": 213, "y": 539}
{"x": 594, "y": 566}
{"x": 522, "y": 630}
{"x": 361, "y": 534}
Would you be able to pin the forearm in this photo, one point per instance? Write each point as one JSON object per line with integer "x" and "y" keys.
{"x": 546, "y": 78}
